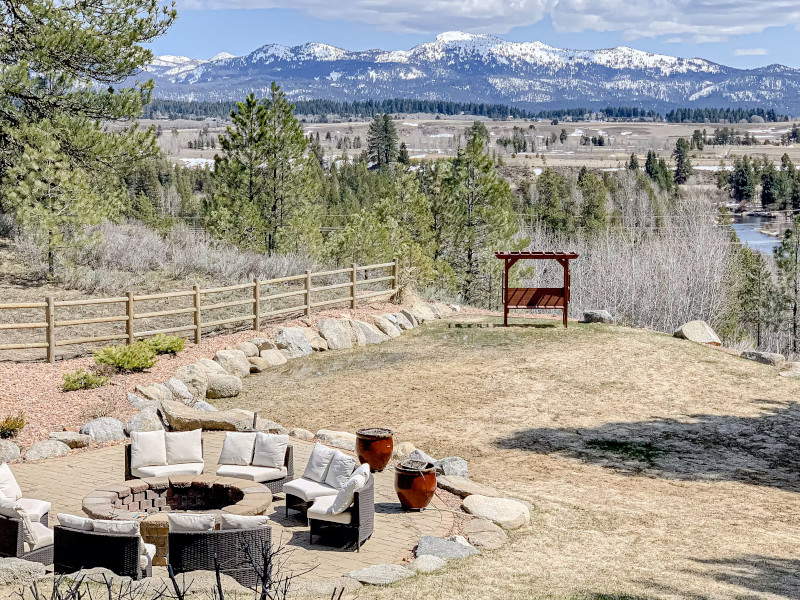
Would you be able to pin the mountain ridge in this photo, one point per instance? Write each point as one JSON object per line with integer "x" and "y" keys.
{"x": 459, "y": 66}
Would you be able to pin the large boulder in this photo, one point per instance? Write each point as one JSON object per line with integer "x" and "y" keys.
{"x": 422, "y": 312}
{"x": 19, "y": 572}
{"x": 274, "y": 357}
{"x": 46, "y": 449}
{"x": 509, "y": 514}
{"x": 258, "y": 364}
{"x": 767, "y": 358}
{"x": 698, "y": 331}
{"x": 380, "y": 574}
{"x": 386, "y": 326}
{"x": 409, "y": 316}
{"x": 263, "y": 344}
{"x": 484, "y": 534}
{"x": 446, "y": 549}
{"x": 402, "y": 321}
{"x": 597, "y": 316}
{"x": 249, "y": 348}
{"x": 156, "y": 392}
{"x": 9, "y": 451}
{"x": 357, "y": 337}
{"x": 73, "y": 439}
{"x": 371, "y": 333}
{"x": 203, "y": 405}
{"x": 270, "y": 426}
{"x": 301, "y": 434}
{"x": 194, "y": 378}
{"x": 145, "y": 420}
{"x": 461, "y": 486}
{"x": 292, "y": 342}
{"x": 139, "y": 403}
{"x": 180, "y": 391}
{"x": 452, "y": 465}
{"x": 106, "y": 429}
{"x": 210, "y": 367}
{"x": 338, "y": 439}
{"x": 317, "y": 342}
{"x": 421, "y": 456}
{"x": 224, "y": 386}
{"x": 234, "y": 362}
{"x": 426, "y": 563}
{"x": 185, "y": 418}
{"x": 403, "y": 449}
{"x": 336, "y": 333}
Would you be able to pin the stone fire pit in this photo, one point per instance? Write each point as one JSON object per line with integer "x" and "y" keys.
{"x": 150, "y": 499}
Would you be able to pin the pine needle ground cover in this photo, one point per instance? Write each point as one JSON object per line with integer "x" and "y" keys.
{"x": 657, "y": 468}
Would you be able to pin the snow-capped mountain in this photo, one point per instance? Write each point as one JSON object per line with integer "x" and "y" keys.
{"x": 480, "y": 68}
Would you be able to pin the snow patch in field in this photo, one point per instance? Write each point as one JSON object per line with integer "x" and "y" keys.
{"x": 576, "y": 133}
{"x": 441, "y": 135}
{"x": 194, "y": 163}
{"x": 411, "y": 124}
{"x": 712, "y": 168}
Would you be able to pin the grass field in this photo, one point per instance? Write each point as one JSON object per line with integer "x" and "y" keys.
{"x": 657, "y": 468}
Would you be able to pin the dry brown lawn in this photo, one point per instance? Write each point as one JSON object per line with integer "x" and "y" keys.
{"x": 657, "y": 468}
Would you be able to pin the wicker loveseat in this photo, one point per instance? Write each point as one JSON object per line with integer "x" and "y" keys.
{"x": 123, "y": 554}
{"x": 159, "y": 454}
{"x": 233, "y": 548}
{"x": 356, "y": 524}
{"x": 247, "y": 455}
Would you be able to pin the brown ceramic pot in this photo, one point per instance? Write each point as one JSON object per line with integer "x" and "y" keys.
{"x": 415, "y": 483}
{"x": 374, "y": 445}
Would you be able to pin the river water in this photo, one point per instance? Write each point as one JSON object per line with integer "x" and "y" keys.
{"x": 745, "y": 227}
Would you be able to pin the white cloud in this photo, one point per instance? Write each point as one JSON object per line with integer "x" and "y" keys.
{"x": 750, "y": 52}
{"x": 695, "y": 20}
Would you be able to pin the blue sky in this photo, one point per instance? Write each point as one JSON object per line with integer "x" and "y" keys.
{"x": 739, "y": 33}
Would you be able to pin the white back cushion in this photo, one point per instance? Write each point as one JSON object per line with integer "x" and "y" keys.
{"x": 342, "y": 466}
{"x": 184, "y": 447}
{"x": 318, "y": 463}
{"x": 74, "y": 522}
{"x": 270, "y": 450}
{"x": 148, "y": 449}
{"x": 29, "y": 532}
{"x": 237, "y": 449}
{"x": 227, "y": 521}
{"x": 346, "y": 494}
{"x": 8, "y": 507}
{"x": 186, "y": 523}
{"x": 120, "y": 527}
{"x": 9, "y": 485}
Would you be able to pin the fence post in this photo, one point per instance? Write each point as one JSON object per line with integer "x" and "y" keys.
{"x": 129, "y": 322}
{"x": 257, "y": 304}
{"x": 308, "y": 293}
{"x": 50, "y": 317}
{"x": 353, "y": 278}
{"x": 395, "y": 285}
{"x": 198, "y": 333}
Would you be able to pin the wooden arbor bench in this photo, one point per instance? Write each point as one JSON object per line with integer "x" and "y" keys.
{"x": 535, "y": 298}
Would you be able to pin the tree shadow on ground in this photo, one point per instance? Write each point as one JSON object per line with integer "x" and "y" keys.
{"x": 759, "y": 450}
{"x": 778, "y": 577}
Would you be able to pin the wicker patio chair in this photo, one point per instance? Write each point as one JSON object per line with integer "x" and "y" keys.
{"x": 362, "y": 518}
{"x": 75, "y": 549}
{"x": 129, "y": 475}
{"x": 195, "y": 551}
{"x": 12, "y": 541}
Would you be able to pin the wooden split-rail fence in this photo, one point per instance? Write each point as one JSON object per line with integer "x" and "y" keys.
{"x": 258, "y": 306}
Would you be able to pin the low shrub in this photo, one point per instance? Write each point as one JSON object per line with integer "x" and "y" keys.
{"x": 82, "y": 380}
{"x": 11, "y": 426}
{"x": 136, "y": 357}
{"x": 166, "y": 344}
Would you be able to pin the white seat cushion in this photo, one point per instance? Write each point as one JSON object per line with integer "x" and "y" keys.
{"x": 148, "y": 449}
{"x": 36, "y": 509}
{"x": 43, "y": 535}
{"x": 251, "y": 473}
{"x": 237, "y": 449}
{"x": 270, "y": 450}
{"x": 322, "y": 510}
{"x": 9, "y": 485}
{"x": 307, "y": 489}
{"x": 74, "y": 522}
{"x": 184, "y": 469}
{"x": 184, "y": 447}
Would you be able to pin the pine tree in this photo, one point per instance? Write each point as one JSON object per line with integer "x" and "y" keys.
{"x": 402, "y": 155}
{"x": 633, "y": 163}
{"x": 787, "y": 260}
{"x": 60, "y": 63}
{"x": 756, "y": 292}
{"x": 683, "y": 164}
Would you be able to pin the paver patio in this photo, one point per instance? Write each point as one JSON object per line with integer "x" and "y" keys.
{"x": 65, "y": 481}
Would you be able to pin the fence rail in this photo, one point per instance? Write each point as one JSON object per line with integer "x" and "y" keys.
{"x": 258, "y": 306}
